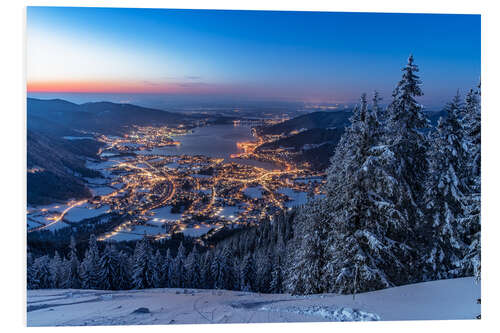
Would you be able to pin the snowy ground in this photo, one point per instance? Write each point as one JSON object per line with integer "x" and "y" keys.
{"x": 101, "y": 190}
{"x": 85, "y": 211}
{"x": 254, "y": 192}
{"x": 42, "y": 215}
{"x": 198, "y": 230}
{"x": 446, "y": 299}
{"x": 164, "y": 214}
{"x": 229, "y": 212}
{"x": 297, "y": 197}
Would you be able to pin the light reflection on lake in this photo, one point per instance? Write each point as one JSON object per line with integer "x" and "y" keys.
{"x": 213, "y": 141}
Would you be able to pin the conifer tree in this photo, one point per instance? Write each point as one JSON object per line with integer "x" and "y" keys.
{"x": 377, "y": 111}
{"x": 471, "y": 263}
{"x": 107, "y": 275}
{"x": 192, "y": 267}
{"x": 89, "y": 268}
{"x": 308, "y": 259}
{"x": 71, "y": 268}
{"x": 165, "y": 270}
{"x": 156, "y": 269}
{"x": 41, "y": 274}
{"x": 207, "y": 280}
{"x": 263, "y": 270}
{"x": 216, "y": 271}
{"x": 122, "y": 279}
{"x": 364, "y": 246}
{"x": 30, "y": 271}
{"x": 177, "y": 270}
{"x": 56, "y": 271}
{"x": 222, "y": 269}
{"x": 142, "y": 272}
{"x": 277, "y": 275}
{"x": 408, "y": 144}
{"x": 446, "y": 190}
{"x": 247, "y": 273}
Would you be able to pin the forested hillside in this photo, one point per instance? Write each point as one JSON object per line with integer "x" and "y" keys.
{"x": 56, "y": 167}
{"x": 320, "y": 119}
{"x": 102, "y": 117}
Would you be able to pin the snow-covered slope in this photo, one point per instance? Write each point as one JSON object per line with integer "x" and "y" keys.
{"x": 446, "y": 299}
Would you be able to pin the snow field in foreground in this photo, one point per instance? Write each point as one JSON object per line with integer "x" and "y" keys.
{"x": 437, "y": 300}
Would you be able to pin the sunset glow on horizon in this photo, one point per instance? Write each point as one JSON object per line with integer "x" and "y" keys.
{"x": 118, "y": 87}
{"x": 253, "y": 54}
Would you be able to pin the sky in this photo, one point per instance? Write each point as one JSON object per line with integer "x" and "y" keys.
{"x": 126, "y": 54}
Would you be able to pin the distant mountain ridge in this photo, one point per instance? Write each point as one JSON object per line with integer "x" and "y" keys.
{"x": 314, "y": 146}
{"x": 319, "y": 119}
{"x": 325, "y": 119}
{"x": 103, "y": 117}
{"x": 308, "y": 137}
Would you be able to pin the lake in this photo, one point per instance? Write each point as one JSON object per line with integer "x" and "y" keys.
{"x": 214, "y": 141}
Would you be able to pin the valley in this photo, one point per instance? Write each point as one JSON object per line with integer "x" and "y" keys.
{"x": 165, "y": 180}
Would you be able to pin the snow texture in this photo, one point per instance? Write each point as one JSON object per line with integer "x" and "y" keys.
{"x": 253, "y": 192}
{"x": 86, "y": 211}
{"x": 437, "y": 300}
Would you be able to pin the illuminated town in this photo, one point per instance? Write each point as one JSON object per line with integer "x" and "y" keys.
{"x": 158, "y": 195}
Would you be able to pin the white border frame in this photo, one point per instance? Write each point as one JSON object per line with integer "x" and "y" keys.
{"x": 13, "y": 106}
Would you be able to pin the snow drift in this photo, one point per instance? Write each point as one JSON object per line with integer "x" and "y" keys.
{"x": 437, "y": 300}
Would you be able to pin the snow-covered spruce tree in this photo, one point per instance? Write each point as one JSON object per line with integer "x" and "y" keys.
{"x": 113, "y": 273}
{"x": 409, "y": 145}
{"x": 142, "y": 266}
{"x": 445, "y": 194}
{"x": 166, "y": 263}
{"x": 305, "y": 275}
{"x": 71, "y": 268}
{"x": 377, "y": 110}
{"x": 156, "y": 268}
{"x": 192, "y": 267}
{"x": 471, "y": 263}
{"x": 471, "y": 121}
{"x": 56, "y": 271}
{"x": 41, "y": 273}
{"x": 334, "y": 183}
{"x": 107, "y": 275}
{"x": 345, "y": 148}
{"x": 247, "y": 273}
{"x": 277, "y": 274}
{"x": 379, "y": 126}
{"x": 365, "y": 245}
{"x": 89, "y": 268}
{"x": 177, "y": 270}
{"x": 263, "y": 270}
{"x": 124, "y": 272}
{"x": 30, "y": 271}
{"x": 207, "y": 280}
{"x": 222, "y": 269}
{"x": 215, "y": 269}
{"x": 306, "y": 260}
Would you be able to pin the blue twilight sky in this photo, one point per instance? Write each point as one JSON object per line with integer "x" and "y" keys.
{"x": 252, "y": 55}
